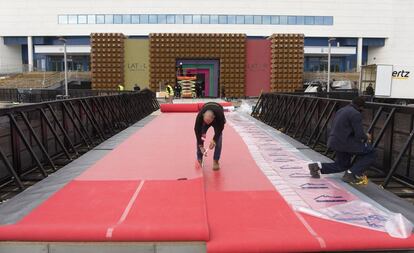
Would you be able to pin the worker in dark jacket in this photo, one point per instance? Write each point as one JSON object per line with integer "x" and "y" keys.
{"x": 211, "y": 114}
{"x": 369, "y": 91}
{"x": 347, "y": 138}
{"x": 177, "y": 90}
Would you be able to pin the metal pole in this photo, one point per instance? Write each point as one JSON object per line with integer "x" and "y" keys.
{"x": 329, "y": 66}
{"x": 66, "y": 69}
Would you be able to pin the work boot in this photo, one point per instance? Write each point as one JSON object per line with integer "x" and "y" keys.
{"x": 361, "y": 180}
{"x": 216, "y": 165}
{"x": 350, "y": 178}
{"x": 314, "y": 170}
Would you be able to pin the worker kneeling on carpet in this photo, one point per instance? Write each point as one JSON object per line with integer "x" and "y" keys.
{"x": 347, "y": 138}
{"x": 211, "y": 114}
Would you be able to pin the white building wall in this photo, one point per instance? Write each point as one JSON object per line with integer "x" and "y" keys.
{"x": 352, "y": 18}
{"x": 391, "y": 19}
{"x": 398, "y": 49}
{"x": 10, "y": 58}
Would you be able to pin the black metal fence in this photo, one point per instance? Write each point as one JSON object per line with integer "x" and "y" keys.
{"x": 346, "y": 94}
{"x": 35, "y": 137}
{"x": 9, "y": 95}
{"x": 41, "y": 95}
{"x": 308, "y": 119}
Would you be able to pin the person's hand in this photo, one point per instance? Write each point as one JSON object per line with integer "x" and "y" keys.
{"x": 203, "y": 151}
{"x": 369, "y": 137}
{"x": 212, "y": 144}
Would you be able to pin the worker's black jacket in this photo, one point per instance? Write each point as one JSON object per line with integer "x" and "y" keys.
{"x": 347, "y": 134}
{"x": 218, "y": 122}
{"x": 177, "y": 88}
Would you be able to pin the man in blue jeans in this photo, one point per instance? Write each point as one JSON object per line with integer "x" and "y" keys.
{"x": 347, "y": 138}
{"x": 211, "y": 114}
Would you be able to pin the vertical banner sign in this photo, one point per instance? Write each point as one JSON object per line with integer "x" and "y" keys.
{"x": 136, "y": 63}
{"x": 257, "y": 66}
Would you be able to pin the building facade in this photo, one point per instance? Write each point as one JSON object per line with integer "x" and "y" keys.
{"x": 365, "y": 32}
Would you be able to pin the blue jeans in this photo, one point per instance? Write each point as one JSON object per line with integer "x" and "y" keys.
{"x": 343, "y": 162}
{"x": 217, "y": 149}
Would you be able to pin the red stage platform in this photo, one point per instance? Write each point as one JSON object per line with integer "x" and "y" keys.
{"x": 149, "y": 189}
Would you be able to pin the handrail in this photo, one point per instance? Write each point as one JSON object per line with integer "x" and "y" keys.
{"x": 308, "y": 119}
{"x": 34, "y": 137}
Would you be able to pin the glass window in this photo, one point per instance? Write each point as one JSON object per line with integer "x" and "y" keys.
{"x": 126, "y": 19}
{"x": 143, "y": 19}
{"x": 275, "y": 20}
{"x": 63, "y": 19}
{"x": 257, "y": 20}
{"x": 82, "y": 19}
{"x": 266, "y": 20}
{"x": 318, "y": 20}
{"x": 231, "y": 19}
{"x": 196, "y": 19}
{"x": 179, "y": 19}
{"x": 222, "y": 19}
{"x": 109, "y": 19}
{"x": 240, "y": 19}
{"x": 248, "y": 19}
{"x": 309, "y": 20}
{"x": 162, "y": 19}
{"x": 205, "y": 19}
{"x": 188, "y": 19}
{"x": 328, "y": 20}
{"x": 170, "y": 19}
{"x": 117, "y": 19}
{"x": 73, "y": 19}
{"x": 152, "y": 19}
{"x": 214, "y": 19}
{"x": 135, "y": 19}
{"x": 283, "y": 20}
{"x": 100, "y": 19}
{"x": 300, "y": 20}
{"x": 291, "y": 20}
{"x": 91, "y": 19}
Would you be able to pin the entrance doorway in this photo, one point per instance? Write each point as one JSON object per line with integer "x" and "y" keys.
{"x": 206, "y": 71}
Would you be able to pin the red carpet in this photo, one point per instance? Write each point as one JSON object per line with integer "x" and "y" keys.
{"x": 163, "y": 150}
{"x": 255, "y": 221}
{"x": 149, "y": 189}
{"x": 187, "y": 107}
{"x": 245, "y": 212}
{"x": 81, "y": 211}
{"x": 179, "y": 107}
{"x": 167, "y": 211}
{"x": 132, "y": 194}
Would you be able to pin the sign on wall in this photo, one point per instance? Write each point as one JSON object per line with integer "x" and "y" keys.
{"x": 402, "y": 82}
{"x": 136, "y": 63}
{"x": 257, "y": 66}
{"x": 383, "y": 80}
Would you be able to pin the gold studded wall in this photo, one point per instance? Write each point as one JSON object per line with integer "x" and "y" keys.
{"x": 107, "y": 60}
{"x": 230, "y": 49}
{"x": 286, "y": 62}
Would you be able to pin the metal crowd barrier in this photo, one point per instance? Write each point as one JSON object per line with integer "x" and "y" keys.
{"x": 41, "y": 95}
{"x": 308, "y": 119}
{"x": 9, "y": 95}
{"x": 345, "y": 94}
{"x": 35, "y": 137}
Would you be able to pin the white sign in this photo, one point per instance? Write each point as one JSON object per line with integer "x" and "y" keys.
{"x": 402, "y": 82}
{"x": 383, "y": 80}
{"x": 58, "y": 49}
